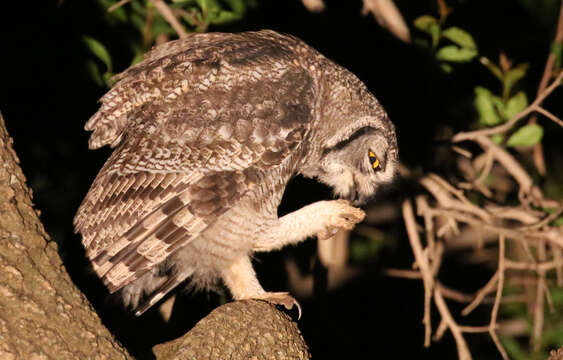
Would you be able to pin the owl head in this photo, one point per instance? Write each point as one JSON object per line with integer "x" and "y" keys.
{"x": 359, "y": 144}
{"x": 358, "y": 165}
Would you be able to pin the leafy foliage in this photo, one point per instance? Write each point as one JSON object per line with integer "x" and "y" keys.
{"x": 152, "y": 28}
{"x": 501, "y": 106}
{"x": 463, "y": 48}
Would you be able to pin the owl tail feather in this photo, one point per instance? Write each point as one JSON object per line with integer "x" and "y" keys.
{"x": 158, "y": 293}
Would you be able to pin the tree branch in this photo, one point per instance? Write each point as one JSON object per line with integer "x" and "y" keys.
{"x": 239, "y": 330}
{"x": 472, "y": 135}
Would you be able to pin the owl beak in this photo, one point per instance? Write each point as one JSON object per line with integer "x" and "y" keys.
{"x": 353, "y": 196}
{"x": 356, "y": 199}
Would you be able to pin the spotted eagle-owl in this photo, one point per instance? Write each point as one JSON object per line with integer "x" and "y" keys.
{"x": 208, "y": 130}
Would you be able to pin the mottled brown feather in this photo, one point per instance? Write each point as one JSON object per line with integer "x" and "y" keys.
{"x": 189, "y": 123}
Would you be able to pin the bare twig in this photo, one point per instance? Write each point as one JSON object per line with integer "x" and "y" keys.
{"x": 441, "y": 330}
{"x": 474, "y": 329}
{"x": 440, "y": 192}
{"x": 510, "y": 164}
{"x": 169, "y": 16}
{"x": 405, "y": 274}
{"x": 489, "y": 160}
{"x": 538, "y": 267}
{"x": 496, "y": 305}
{"x": 450, "y": 293}
{"x": 549, "y": 115}
{"x": 525, "y": 216}
{"x": 452, "y": 189}
{"x": 462, "y": 217}
{"x": 538, "y": 157}
{"x": 481, "y": 294}
{"x": 422, "y": 206}
{"x": 462, "y": 151}
{"x": 388, "y": 16}
{"x": 192, "y": 16}
{"x": 118, "y": 5}
{"x": 314, "y": 5}
{"x": 424, "y": 266}
{"x": 539, "y": 303}
{"x": 558, "y": 257}
{"x": 545, "y": 221}
{"x": 548, "y": 298}
{"x": 462, "y": 349}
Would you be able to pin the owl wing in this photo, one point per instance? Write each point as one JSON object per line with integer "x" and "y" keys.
{"x": 187, "y": 154}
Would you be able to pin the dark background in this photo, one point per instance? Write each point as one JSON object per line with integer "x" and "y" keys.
{"x": 46, "y": 96}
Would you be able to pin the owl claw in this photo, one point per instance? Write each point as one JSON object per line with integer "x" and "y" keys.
{"x": 281, "y": 298}
{"x": 344, "y": 216}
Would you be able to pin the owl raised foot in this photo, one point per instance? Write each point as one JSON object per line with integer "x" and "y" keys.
{"x": 341, "y": 215}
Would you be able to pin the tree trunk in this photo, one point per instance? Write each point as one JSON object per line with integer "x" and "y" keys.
{"x": 44, "y": 316}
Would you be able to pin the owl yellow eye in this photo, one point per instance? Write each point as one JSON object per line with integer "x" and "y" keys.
{"x": 374, "y": 161}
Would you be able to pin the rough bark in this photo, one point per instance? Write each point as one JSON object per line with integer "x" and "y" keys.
{"x": 241, "y": 330}
{"x": 44, "y": 316}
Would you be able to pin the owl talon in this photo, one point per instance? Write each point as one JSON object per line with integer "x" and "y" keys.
{"x": 281, "y": 298}
{"x": 327, "y": 234}
{"x": 345, "y": 216}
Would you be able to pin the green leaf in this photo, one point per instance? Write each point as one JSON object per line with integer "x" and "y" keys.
{"x": 484, "y": 104}
{"x": 117, "y": 15}
{"x": 493, "y": 68}
{"x": 140, "y": 7}
{"x": 161, "y": 26}
{"x": 429, "y": 25}
{"x": 238, "y": 6}
{"x": 512, "y": 77}
{"x": 527, "y": 135}
{"x": 455, "y": 54}
{"x": 137, "y": 58}
{"x": 447, "y": 68}
{"x": 425, "y": 22}
{"x": 94, "y": 72}
{"x": 499, "y": 106}
{"x": 515, "y": 104}
{"x": 460, "y": 37}
{"x": 108, "y": 79}
{"x": 204, "y": 5}
{"x": 98, "y": 49}
{"x": 226, "y": 17}
{"x": 138, "y": 21}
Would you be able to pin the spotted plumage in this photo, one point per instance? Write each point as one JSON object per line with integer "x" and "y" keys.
{"x": 207, "y": 132}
